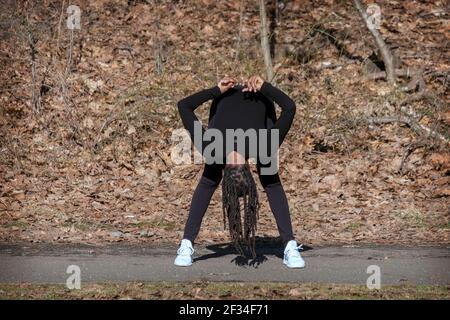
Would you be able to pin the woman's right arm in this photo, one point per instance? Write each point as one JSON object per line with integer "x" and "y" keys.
{"x": 187, "y": 106}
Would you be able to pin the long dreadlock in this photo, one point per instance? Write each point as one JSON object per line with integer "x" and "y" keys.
{"x": 238, "y": 183}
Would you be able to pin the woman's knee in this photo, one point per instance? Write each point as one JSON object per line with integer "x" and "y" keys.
{"x": 212, "y": 174}
{"x": 269, "y": 180}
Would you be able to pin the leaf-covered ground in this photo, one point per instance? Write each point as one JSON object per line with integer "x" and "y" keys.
{"x": 94, "y": 164}
{"x": 221, "y": 290}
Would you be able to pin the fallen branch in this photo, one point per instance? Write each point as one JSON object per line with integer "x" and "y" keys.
{"x": 431, "y": 133}
{"x": 416, "y": 83}
{"x": 409, "y": 150}
{"x": 398, "y": 72}
{"x": 400, "y": 119}
{"x": 408, "y": 119}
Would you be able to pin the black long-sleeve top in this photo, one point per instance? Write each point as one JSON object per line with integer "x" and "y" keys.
{"x": 235, "y": 109}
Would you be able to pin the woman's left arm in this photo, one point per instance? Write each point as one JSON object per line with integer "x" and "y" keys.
{"x": 287, "y": 105}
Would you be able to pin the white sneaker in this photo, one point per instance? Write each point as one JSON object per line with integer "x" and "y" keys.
{"x": 292, "y": 257}
{"x": 185, "y": 252}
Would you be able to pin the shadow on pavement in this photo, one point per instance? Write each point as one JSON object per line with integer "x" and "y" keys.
{"x": 265, "y": 246}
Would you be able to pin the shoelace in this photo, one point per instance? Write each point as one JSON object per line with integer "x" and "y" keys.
{"x": 185, "y": 250}
{"x": 295, "y": 251}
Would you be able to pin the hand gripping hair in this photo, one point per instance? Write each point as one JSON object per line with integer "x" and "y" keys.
{"x": 238, "y": 184}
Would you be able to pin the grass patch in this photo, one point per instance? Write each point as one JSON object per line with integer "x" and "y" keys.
{"x": 19, "y": 224}
{"x": 353, "y": 226}
{"x": 444, "y": 225}
{"x": 157, "y": 224}
{"x": 412, "y": 217}
{"x": 220, "y": 290}
{"x": 84, "y": 227}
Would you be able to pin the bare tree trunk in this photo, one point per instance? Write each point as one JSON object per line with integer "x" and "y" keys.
{"x": 157, "y": 49}
{"x": 69, "y": 55}
{"x": 384, "y": 50}
{"x": 59, "y": 23}
{"x": 241, "y": 18}
{"x": 265, "y": 45}
{"x": 35, "y": 97}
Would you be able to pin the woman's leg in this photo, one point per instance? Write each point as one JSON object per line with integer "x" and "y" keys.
{"x": 211, "y": 177}
{"x": 278, "y": 204}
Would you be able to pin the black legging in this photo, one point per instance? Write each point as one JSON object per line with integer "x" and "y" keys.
{"x": 211, "y": 177}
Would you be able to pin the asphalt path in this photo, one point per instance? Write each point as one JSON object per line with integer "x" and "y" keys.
{"x": 125, "y": 262}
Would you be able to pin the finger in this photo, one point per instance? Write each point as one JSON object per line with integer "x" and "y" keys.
{"x": 227, "y": 81}
{"x": 252, "y": 81}
{"x": 248, "y": 85}
{"x": 258, "y": 82}
{"x": 245, "y": 84}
